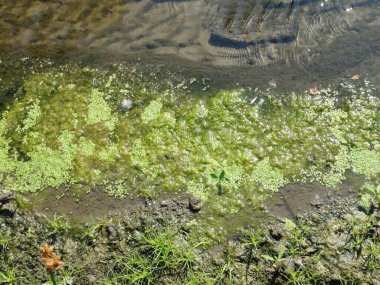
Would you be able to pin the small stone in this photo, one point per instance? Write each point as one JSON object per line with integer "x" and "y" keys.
{"x": 288, "y": 265}
{"x": 355, "y": 77}
{"x": 165, "y": 203}
{"x": 273, "y": 83}
{"x": 92, "y": 279}
{"x": 195, "y": 204}
{"x": 375, "y": 282}
{"x": 137, "y": 236}
{"x": 237, "y": 251}
{"x": 277, "y": 232}
{"x": 314, "y": 91}
{"x": 311, "y": 250}
{"x": 298, "y": 262}
{"x": 126, "y": 104}
{"x": 8, "y": 209}
{"x": 317, "y": 201}
{"x": 111, "y": 231}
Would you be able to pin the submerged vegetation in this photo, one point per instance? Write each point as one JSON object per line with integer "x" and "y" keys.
{"x": 66, "y": 128}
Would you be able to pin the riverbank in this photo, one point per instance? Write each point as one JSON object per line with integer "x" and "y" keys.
{"x": 333, "y": 243}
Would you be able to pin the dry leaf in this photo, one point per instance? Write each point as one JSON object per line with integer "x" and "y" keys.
{"x": 314, "y": 91}
{"x": 355, "y": 77}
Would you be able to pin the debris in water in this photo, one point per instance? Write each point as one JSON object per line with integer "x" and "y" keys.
{"x": 314, "y": 91}
{"x": 273, "y": 83}
{"x": 355, "y": 77}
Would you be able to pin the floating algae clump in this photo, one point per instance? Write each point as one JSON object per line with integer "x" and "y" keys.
{"x": 99, "y": 111}
{"x": 151, "y": 112}
{"x": 270, "y": 178}
{"x": 366, "y": 162}
{"x": 66, "y": 128}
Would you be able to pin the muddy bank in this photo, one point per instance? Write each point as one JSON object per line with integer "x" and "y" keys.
{"x": 334, "y": 243}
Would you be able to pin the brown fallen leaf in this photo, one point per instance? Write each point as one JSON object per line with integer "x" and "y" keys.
{"x": 355, "y": 77}
{"x": 314, "y": 91}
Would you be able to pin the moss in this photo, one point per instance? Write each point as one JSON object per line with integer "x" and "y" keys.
{"x": 138, "y": 155}
{"x": 7, "y": 164}
{"x": 87, "y": 147}
{"x": 336, "y": 173}
{"x": 116, "y": 188}
{"x": 366, "y": 201}
{"x": 198, "y": 190}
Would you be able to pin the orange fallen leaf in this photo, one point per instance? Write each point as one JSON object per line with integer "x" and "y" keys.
{"x": 314, "y": 91}
{"x": 355, "y": 77}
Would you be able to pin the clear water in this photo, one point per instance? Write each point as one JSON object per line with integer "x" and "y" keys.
{"x": 295, "y": 43}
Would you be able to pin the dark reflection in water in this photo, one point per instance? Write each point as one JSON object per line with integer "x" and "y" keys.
{"x": 272, "y": 30}
{"x": 220, "y": 41}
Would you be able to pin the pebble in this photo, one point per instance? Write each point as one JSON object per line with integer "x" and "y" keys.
{"x": 126, "y": 104}
{"x": 195, "y": 204}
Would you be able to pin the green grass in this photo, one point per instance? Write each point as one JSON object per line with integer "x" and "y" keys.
{"x": 8, "y": 276}
{"x": 58, "y": 225}
{"x": 160, "y": 253}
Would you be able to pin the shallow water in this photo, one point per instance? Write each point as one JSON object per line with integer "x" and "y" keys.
{"x": 225, "y": 32}
{"x": 295, "y": 44}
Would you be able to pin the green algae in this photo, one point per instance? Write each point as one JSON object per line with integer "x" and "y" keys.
{"x": 67, "y": 128}
{"x": 99, "y": 111}
{"x": 366, "y": 162}
{"x": 151, "y": 112}
{"x": 270, "y": 178}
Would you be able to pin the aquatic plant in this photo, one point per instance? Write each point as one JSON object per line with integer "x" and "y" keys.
{"x": 151, "y": 112}
{"x": 366, "y": 162}
{"x": 160, "y": 252}
{"x": 169, "y": 141}
{"x": 220, "y": 179}
{"x": 269, "y": 177}
{"x": 276, "y": 259}
{"x": 370, "y": 196}
{"x": 99, "y": 111}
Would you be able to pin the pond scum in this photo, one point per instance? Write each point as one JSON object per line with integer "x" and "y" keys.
{"x": 66, "y": 128}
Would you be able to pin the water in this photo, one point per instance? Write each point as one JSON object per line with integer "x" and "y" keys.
{"x": 296, "y": 43}
{"x": 221, "y": 32}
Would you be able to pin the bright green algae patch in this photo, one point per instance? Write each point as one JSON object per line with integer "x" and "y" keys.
{"x": 67, "y": 128}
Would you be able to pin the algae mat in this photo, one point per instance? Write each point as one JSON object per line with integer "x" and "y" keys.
{"x": 65, "y": 127}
